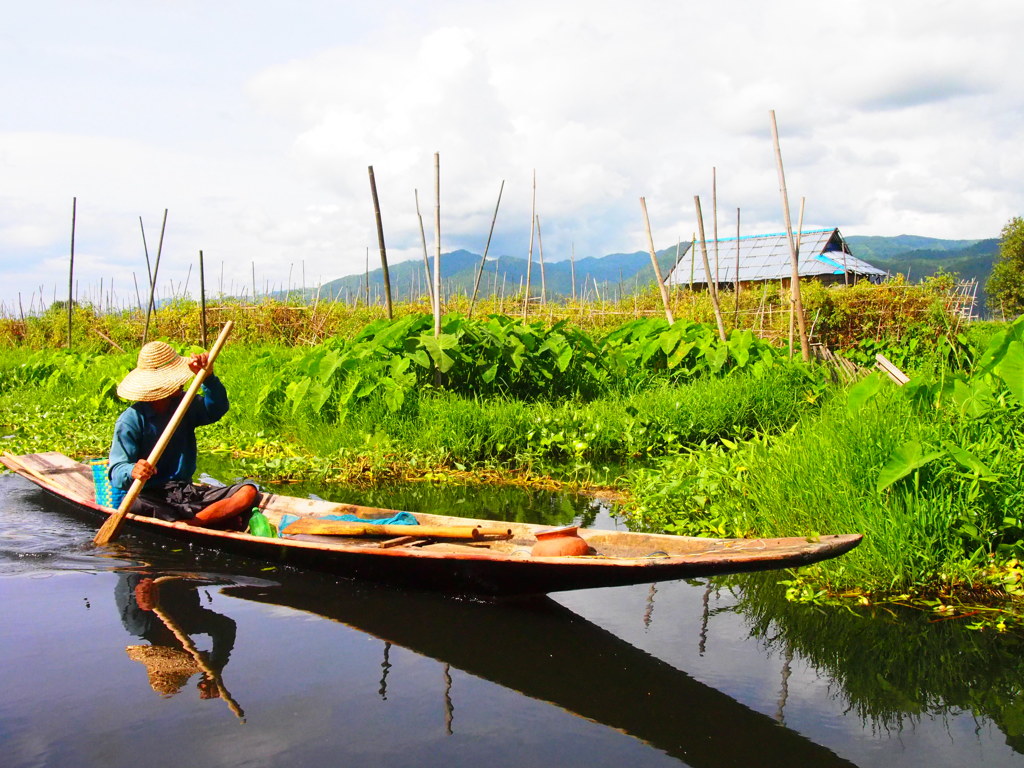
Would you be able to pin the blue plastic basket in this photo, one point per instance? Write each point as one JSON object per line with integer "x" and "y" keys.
{"x": 106, "y": 496}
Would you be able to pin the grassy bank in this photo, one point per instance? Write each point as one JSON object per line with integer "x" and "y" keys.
{"x": 698, "y": 436}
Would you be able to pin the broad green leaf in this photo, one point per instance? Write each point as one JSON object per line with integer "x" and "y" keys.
{"x": 1011, "y": 369}
{"x": 861, "y": 392}
{"x": 437, "y": 347}
{"x": 295, "y": 393}
{"x": 969, "y": 461}
{"x": 904, "y": 460}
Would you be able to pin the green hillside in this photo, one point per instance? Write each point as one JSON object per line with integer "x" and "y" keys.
{"x": 919, "y": 257}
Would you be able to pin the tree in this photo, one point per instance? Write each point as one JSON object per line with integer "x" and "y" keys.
{"x": 1005, "y": 286}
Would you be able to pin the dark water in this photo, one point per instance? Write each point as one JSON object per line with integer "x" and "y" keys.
{"x": 305, "y": 670}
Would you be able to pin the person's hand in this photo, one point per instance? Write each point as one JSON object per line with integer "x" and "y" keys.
{"x": 143, "y": 470}
{"x": 198, "y": 362}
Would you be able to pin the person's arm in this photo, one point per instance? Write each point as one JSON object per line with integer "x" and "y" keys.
{"x": 124, "y": 450}
{"x": 214, "y": 402}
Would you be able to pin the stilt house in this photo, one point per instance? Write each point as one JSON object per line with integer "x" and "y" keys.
{"x": 824, "y": 255}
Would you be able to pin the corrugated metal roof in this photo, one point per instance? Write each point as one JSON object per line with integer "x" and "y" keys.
{"x": 766, "y": 257}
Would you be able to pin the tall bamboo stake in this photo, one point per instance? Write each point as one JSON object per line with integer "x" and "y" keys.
{"x": 202, "y": 298}
{"x": 543, "y": 275}
{"x": 483, "y": 259}
{"x": 437, "y": 245}
{"x": 792, "y": 293}
{"x": 707, "y": 269}
{"x": 798, "y": 306}
{"x": 145, "y": 250}
{"x": 572, "y": 267}
{"x": 71, "y": 270}
{"x": 426, "y": 258}
{"x": 736, "y": 285}
{"x": 383, "y": 250}
{"x": 529, "y": 258}
{"x": 151, "y": 307}
{"x": 714, "y": 215}
{"x": 654, "y": 264}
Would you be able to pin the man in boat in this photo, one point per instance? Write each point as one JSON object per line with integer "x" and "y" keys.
{"x": 169, "y": 493}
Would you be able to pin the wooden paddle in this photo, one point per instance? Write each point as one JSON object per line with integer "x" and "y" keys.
{"x": 344, "y": 528}
{"x": 109, "y": 530}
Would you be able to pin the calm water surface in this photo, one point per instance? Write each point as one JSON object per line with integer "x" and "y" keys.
{"x": 305, "y": 670}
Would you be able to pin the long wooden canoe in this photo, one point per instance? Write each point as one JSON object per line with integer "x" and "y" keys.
{"x": 497, "y": 562}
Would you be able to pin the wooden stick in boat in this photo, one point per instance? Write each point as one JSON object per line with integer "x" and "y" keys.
{"x": 342, "y": 528}
{"x": 12, "y": 461}
{"x": 109, "y": 530}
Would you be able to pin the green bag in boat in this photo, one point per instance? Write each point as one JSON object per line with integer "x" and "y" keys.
{"x": 260, "y": 526}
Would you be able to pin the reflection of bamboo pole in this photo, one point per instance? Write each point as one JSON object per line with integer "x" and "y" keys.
{"x": 649, "y": 610}
{"x": 189, "y": 646}
{"x": 449, "y": 709}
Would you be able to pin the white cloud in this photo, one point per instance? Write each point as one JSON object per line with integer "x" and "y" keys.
{"x": 893, "y": 118}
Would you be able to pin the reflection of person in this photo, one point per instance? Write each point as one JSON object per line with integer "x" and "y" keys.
{"x": 169, "y": 493}
{"x": 152, "y": 610}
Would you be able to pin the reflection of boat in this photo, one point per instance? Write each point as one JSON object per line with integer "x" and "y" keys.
{"x": 433, "y": 556}
{"x": 547, "y": 652}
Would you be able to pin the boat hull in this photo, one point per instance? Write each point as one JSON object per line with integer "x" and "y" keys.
{"x": 503, "y": 569}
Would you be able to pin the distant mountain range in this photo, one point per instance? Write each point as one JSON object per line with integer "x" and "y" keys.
{"x": 618, "y": 274}
{"x": 621, "y": 274}
{"x": 918, "y": 257}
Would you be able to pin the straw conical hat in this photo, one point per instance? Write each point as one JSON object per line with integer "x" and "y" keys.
{"x": 168, "y": 669}
{"x": 160, "y": 373}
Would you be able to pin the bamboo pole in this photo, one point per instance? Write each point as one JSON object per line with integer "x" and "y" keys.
{"x": 202, "y": 299}
{"x": 71, "y": 270}
{"x": 792, "y": 292}
{"x": 145, "y": 250}
{"x": 654, "y": 264}
{"x": 572, "y": 267}
{"x": 483, "y": 259}
{"x": 707, "y": 269}
{"x": 543, "y": 275}
{"x": 426, "y": 258}
{"x": 529, "y": 257}
{"x": 383, "y": 250}
{"x": 151, "y": 307}
{"x": 736, "y": 282}
{"x": 437, "y": 245}
{"x": 714, "y": 216}
{"x": 798, "y": 306}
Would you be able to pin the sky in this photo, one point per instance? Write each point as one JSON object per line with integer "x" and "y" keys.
{"x": 253, "y": 125}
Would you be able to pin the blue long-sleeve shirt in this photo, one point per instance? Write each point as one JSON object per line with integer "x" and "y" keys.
{"x": 139, "y": 427}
